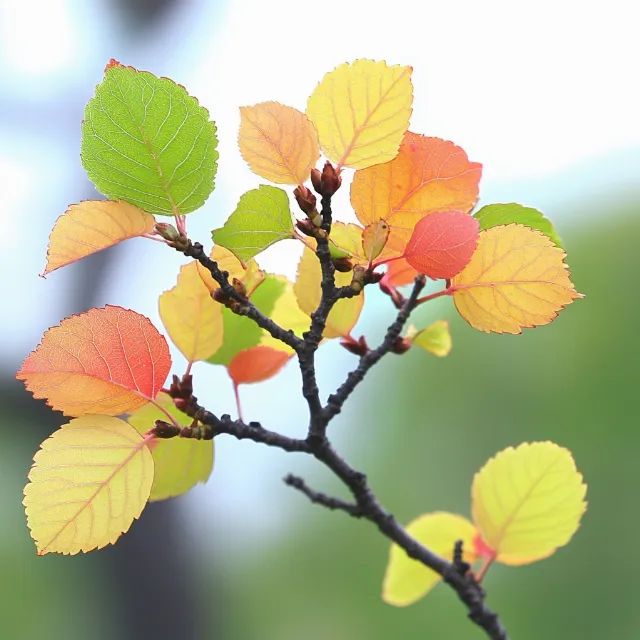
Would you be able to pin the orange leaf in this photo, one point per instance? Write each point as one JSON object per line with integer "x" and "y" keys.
{"x": 106, "y": 361}
{"x": 278, "y": 142}
{"x": 527, "y": 502}
{"x": 191, "y": 317}
{"x": 399, "y": 272}
{"x": 88, "y": 483}
{"x": 427, "y": 175}
{"x": 91, "y": 226}
{"x": 516, "y": 278}
{"x": 257, "y": 364}
{"x": 442, "y": 243}
{"x": 361, "y": 111}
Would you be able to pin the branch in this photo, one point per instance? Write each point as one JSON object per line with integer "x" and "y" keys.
{"x": 335, "y": 504}
{"x": 337, "y": 400}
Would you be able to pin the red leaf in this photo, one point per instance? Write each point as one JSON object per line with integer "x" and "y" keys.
{"x": 442, "y": 243}
{"x": 257, "y": 364}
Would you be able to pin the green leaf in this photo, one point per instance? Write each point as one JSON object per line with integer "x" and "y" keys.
{"x": 145, "y": 140}
{"x": 495, "y": 214}
{"x": 240, "y": 333}
{"x": 179, "y": 463}
{"x": 261, "y": 218}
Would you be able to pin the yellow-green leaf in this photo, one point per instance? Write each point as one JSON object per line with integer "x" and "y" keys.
{"x": 347, "y": 238}
{"x": 528, "y": 501}
{"x": 250, "y": 274}
{"x": 407, "y": 580}
{"x": 191, "y": 317}
{"x": 344, "y": 314}
{"x": 515, "y": 279}
{"x": 262, "y": 218}
{"x": 278, "y": 142}
{"x": 180, "y": 462}
{"x": 361, "y": 112}
{"x": 435, "y": 339}
{"x": 88, "y": 483}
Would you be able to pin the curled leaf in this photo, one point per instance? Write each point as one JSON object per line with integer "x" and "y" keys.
{"x": 435, "y": 339}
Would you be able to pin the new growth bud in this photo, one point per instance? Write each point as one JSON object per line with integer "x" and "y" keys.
{"x": 167, "y": 231}
{"x": 344, "y": 265}
{"x": 358, "y": 347}
{"x": 306, "y": 200}
{"x": 401, "y": 345}
{"x": 327, "y": 182}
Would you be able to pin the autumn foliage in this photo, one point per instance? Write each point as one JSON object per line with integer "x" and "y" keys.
{"x": 150, "y": 148}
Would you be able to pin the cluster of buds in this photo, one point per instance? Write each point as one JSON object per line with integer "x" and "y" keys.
{"x": 169, "y": 233}
{"x": 307, "y": 203}
{"x": 327, "y": 182}
{"x": 358, "y": 347}
{"x": 224, "y": 298}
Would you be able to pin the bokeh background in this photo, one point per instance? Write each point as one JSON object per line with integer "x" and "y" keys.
{"x": 544, "y": 95}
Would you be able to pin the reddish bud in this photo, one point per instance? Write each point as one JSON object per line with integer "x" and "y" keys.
{"x": 327, "y": 182}
{"x": 316, "y": 180}
{"x": 164, "y": 429}
{"x": 307, "y": 227}
{"x": 343, "y": 265}
{"x": 167, "y": 231}
{"x": 397, "y": 298}
{"x": 401, "y": 345}
{"x": 358, "y": 347}
{"x": 239, "y": 286}
{"x": 306, "y": 200}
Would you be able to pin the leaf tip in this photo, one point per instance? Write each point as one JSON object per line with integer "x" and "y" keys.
{"x": 112, "y": 63}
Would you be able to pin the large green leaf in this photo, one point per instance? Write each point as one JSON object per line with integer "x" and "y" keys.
{"x": 239, "y": 332}
{"x": 145, "y": 140}
{"x": 495, "y": 214}
{"x": 261, "y": 218}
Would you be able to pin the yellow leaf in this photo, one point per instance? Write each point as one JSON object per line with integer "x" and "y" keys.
{"x": 427, "y": 175}
{"x": 407, "y": 580}
{"x": 361, "y": 112}
{"x": 528, "y": 501}
{"x": 374, "y": 238}
{"x": 191, "y": 317}
{"x": 180, "y": 463}
{"x": 288, "y": 315}
{"x": 91, "y": 226}
{"x": 435, "y": 339}
{"x": 348, "y": 238}
{"x": 251, "y": 275}
{"x": 278, "y": 142}
{"x": 344, "y": 314}
{"x": 516, "y": 278}
{"x": 88, "y": 482}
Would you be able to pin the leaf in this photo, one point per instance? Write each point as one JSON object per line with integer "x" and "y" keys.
{"x": 257, "y": 364}
{"x": 374, "y": 238}
{"x": 288, "y": 315}
{"x": 399, "y": 273}
{"x": 91, "y": 226}
{"x": 435, "y": 339}
{"x": 407, "y": 580}
{"x": 261, "y": 219}
{"x": 528, "y": 501}
{"x": 107, "y": 361}
{"x": 278, "y": 142}
{"x": 427, "y": 175}
{"x": 493, "y": 215}
{"x": 145, "y": 140}
{"x": 348, "y": 238}
{"x": 361, "y": 112}
{"x": 516, "y": 278}
{"x": 88, "y": 483}
{"x": 180, "y": 463}
{"x": 344, "y": 314}
{"x": 442, "y": 243}
{"x": 242, "y": 333}
{"x": 191, "y": 317}
{"x": 250, "y": 274}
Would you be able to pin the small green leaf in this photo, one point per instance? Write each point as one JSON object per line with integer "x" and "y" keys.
{"x": 261, "y": 218}
{"x": 435, "y": 339}
{"x": 240, "y": 333}
{"x": 145, "y": 140}
{"x": 495, "y": 214}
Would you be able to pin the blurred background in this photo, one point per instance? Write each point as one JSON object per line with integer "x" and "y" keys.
{"x": 543, "y": 94}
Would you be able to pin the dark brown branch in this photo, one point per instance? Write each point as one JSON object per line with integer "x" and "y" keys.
{"x": 335, "y": 504}
{"x": 337, "y": 400}
{"x": 243, "y": 306}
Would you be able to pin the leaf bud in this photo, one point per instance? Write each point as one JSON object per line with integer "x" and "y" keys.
{"x": 316, "y": 180}
{"x": 331, "y": 179}
{"x": 167, "y": 231}
{"x": 358, "y": 347}
{"x": 401, "y": 345}
{"x": 306, "y": 200}
{"x": 344, "y": 265}
{"x": 164, "y": 429}
{"x": 240, "y": 287}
